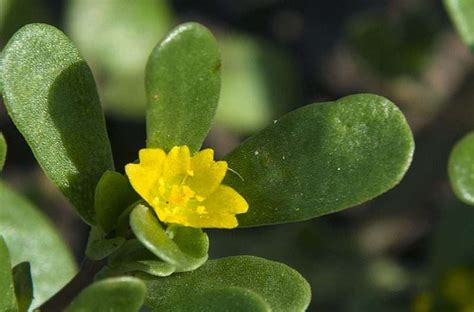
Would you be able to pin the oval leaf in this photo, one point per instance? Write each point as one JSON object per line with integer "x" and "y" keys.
{"x": 113, "y": 195}
{"x": 461, "y": 169}
{"x": 51, "y": 97}
{"x": 320, "y": 159}
{"x": 223, "y": 300}
{"x": 133, "y": 256}
{"x": 279, "y": 286}
{"x": 462, "y": 15}
{"x": 191, "y": 241}
{"x": 121, "y": 294}
{"x": 23, "y": 285}
{"x": 182, "y": 84}
{"x": 3, "y": 151}
{"x": 152, "y": 267}
{"x": 148, "y": 230}
{"x": 31, "y": 237}
{"x": 7, "y": 290}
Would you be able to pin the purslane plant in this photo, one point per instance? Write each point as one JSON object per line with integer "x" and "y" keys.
{"x": 146, "y": 245}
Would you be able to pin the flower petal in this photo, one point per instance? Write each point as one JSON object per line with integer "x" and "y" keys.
{"x": 226, "y": 200}
{"x": 186, "y": 190}
{"x": 177, "y": 163}
{"x": 145, "y": 175}
{"x": 218, "y": 211}
{"x": 152, "y": 157}
{"x": 196, "y": 220}
{"x": 216, "y": 220}
{"x": 207, "y": 173}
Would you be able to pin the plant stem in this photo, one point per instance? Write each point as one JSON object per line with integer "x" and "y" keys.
{"x": 83, "y": 278}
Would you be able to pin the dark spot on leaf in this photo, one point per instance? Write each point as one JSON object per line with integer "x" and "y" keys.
{"x": 217, "y": 67}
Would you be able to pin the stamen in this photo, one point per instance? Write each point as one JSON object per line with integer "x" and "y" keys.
{"x": 201, "y": 210}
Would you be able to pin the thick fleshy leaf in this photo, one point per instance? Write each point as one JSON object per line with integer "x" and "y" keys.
{"x": 133, "y": 256}
{"x": 100, "y": 246}
{"x": 51, "y": 97}
{"x": 118, "y": 67}
{"x": 152, "y": 267}
{"x": 193, "y": 242}
{"x": 121, "y": 294}
{"x": 23, "y": 285}
{"x": 462, "y": 15}
{"x": 280, "y": 287}
{"x": 184, "y": 248}
{"x": 31, "y": 237}
{"x": 113, "y": 195}
{"x": 3, "y": 151}
{"x": 7, "y": 290}
{"x": 320, "y": 159}
{"x": 461, "y": 169}
{"x": 182, "y": 84}
{"x": 224, "y": 299}
{"x": 132, "y": 250}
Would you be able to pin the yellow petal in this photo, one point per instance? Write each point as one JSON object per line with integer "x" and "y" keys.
{"x": 177, "y": 164}
{"x": 207, "y": 173}
{"x": 221, "y": 208}
{"x": 216, "y": 220}
{"x": 144, "y": 176}
{"x": 152, "y": 157}
{"x": 226, "y": 200}
{"x": 197, "y": 220}
{"x": 186, "y": 190}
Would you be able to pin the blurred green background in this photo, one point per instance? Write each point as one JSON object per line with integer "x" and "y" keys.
{"x": 412, "y": 248}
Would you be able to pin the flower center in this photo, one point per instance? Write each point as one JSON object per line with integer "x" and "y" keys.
{"x": 179, "y": 195}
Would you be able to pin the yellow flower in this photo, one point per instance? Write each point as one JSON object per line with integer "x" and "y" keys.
{"x": 186, "y": 190}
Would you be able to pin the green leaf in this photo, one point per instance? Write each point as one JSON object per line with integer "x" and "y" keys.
{"x": 3, "y": 151}
{"x": 462, "y": 15}
{"x": 123, "y": 221}
{"x": 320, "y": 159}
{"x": 113, "y": 195}
{"x": 190, "y": 240}
{"x": 7, "y": 290}
{"x": 99, "y": 246}
{"x": 182, "y": 84}
{"x": 131, "y": 250}
{"x": 170, "y": 246}
{"x": 461, "y": 169}
{"x": 121, "y": 294}
{"x": 224, "y": 299}
{"x": 119, "y": 69}
{"x": 31, "y": 237}
{"x": 152, "y": 267}
{"x": 23, "y": 285}
{"x": 279, "y": 286}
{"x": 57, "y": 110}
{"x": 133, "y": 256}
